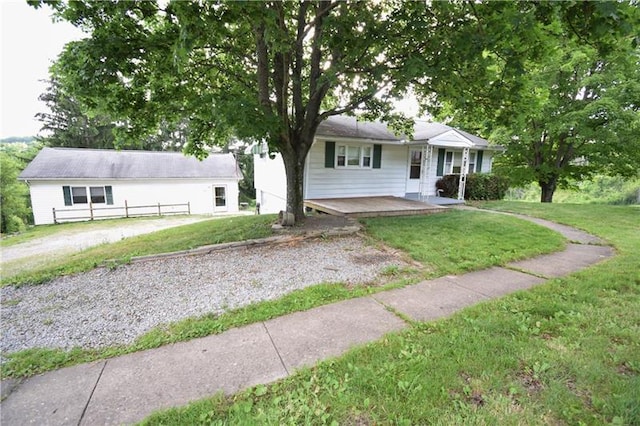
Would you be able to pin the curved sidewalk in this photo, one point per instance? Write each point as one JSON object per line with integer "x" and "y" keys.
{"x": 128, "y": 388}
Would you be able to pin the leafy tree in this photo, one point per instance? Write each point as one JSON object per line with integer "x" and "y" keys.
{"x": 73, "y": 125}
{"x": 15, "y": 211}
{"x": 69, "y": 125}
{"x": 571, "y": 109}
{"x": 263, "y": 70}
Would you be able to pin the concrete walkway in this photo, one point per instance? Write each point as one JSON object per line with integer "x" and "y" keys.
{"x": 128, "y": 388}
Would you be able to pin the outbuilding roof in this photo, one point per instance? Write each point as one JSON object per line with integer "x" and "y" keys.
{"x": 423, "y": 131}
{"x": 82, "y": 163}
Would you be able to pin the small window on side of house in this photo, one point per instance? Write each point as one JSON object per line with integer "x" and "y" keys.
{"x": 342, "y": 155}
{"x": 79, "y": 195}
{"x": 366, "y": 156}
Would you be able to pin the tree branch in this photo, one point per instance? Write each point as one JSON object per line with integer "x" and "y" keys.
{"x": 263, "y": 66}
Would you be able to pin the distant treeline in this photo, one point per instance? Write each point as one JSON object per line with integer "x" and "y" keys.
{"x": 18, "y": 139}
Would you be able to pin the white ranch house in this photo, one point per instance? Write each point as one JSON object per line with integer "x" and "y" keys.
{"x": 351, "y": 159}
{"x": 82, "y": 184}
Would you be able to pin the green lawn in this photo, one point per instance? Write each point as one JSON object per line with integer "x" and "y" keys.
{"x": 482, "y": 240}
{"x": 565, "y": 352}
{"x": 461, "y": 241}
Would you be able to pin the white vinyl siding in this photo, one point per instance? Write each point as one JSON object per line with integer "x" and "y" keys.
{"x": 389, "y": 179}
{"x": 270, "y": 182}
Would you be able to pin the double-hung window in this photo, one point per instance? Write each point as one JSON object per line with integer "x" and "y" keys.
{"x": 472, "y": 161}
{"x": 97, "y": 194}
{"x": 353, "y": 156}
{"x": 453, "y": 162}
{"x": 79, "y": 194}
{"x": 82, "y": 195}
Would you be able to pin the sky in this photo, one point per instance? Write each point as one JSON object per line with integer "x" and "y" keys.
{"x": 29, "y": 42}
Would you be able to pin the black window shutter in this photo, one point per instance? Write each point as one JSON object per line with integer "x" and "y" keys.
{"x": 440, "y": 166}
{"x": 479, "y": 161}
{"x": 109, "y": 194}
{"x": 329, "y": 154}
{"x": 66, "y": 191}
{"x": 377, "y": 156}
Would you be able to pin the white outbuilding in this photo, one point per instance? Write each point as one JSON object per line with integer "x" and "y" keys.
{"x": 69, "y": 184}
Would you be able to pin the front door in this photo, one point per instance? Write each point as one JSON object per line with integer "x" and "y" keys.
{"x": 219, "y": 198}
{"x": 413, "y": 174}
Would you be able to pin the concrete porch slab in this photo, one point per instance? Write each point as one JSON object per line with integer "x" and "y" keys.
{"x": 133, "y": 386}
{"x": 372, "y": 206}
{"x": 304, "y": 338}
{"x": 574, "y": 258}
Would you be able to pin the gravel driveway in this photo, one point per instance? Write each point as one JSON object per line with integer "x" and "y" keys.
{"x": 81, "y": 238}
{"x": 108, "y": 307}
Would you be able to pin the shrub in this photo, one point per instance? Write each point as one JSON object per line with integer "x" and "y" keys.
{"x": 480, "y": 186}
{"x": 485, "y": 187}
{"x": 14, "y": 224}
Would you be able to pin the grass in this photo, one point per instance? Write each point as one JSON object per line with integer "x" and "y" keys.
{"x": 184, "y": 237}
{"x": 565, "y": 352}
{"x": 462, "y": 241}
{"x": 438, "y": 228}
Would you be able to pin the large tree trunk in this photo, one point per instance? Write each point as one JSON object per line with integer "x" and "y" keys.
{"x": 295, "y": 182}
{"x": 294, "y": 167}
{"x": 548, "y": 187}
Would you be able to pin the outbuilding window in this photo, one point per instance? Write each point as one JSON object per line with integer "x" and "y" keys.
{"x": 96, "y": 194}
{"x": 79, "y": 194}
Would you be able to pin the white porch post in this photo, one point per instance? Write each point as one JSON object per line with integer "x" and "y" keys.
{"x": 464, "y": 170}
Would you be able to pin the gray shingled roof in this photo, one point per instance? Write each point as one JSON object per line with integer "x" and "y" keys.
{"x": 350, "y": 127}
{"x": 77, "y": 163}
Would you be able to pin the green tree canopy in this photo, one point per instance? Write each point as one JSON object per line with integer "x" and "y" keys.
{"x": 572, "y": 109}
{"x": 15, "y": 210}
{"x": 71, "y": 124}
{"x": 68, "y": 124}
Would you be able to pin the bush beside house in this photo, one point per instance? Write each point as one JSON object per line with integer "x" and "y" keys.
{"x": 480, "y": 186}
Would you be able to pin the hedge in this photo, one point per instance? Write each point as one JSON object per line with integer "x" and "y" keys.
{"x": 480, "y": 186}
